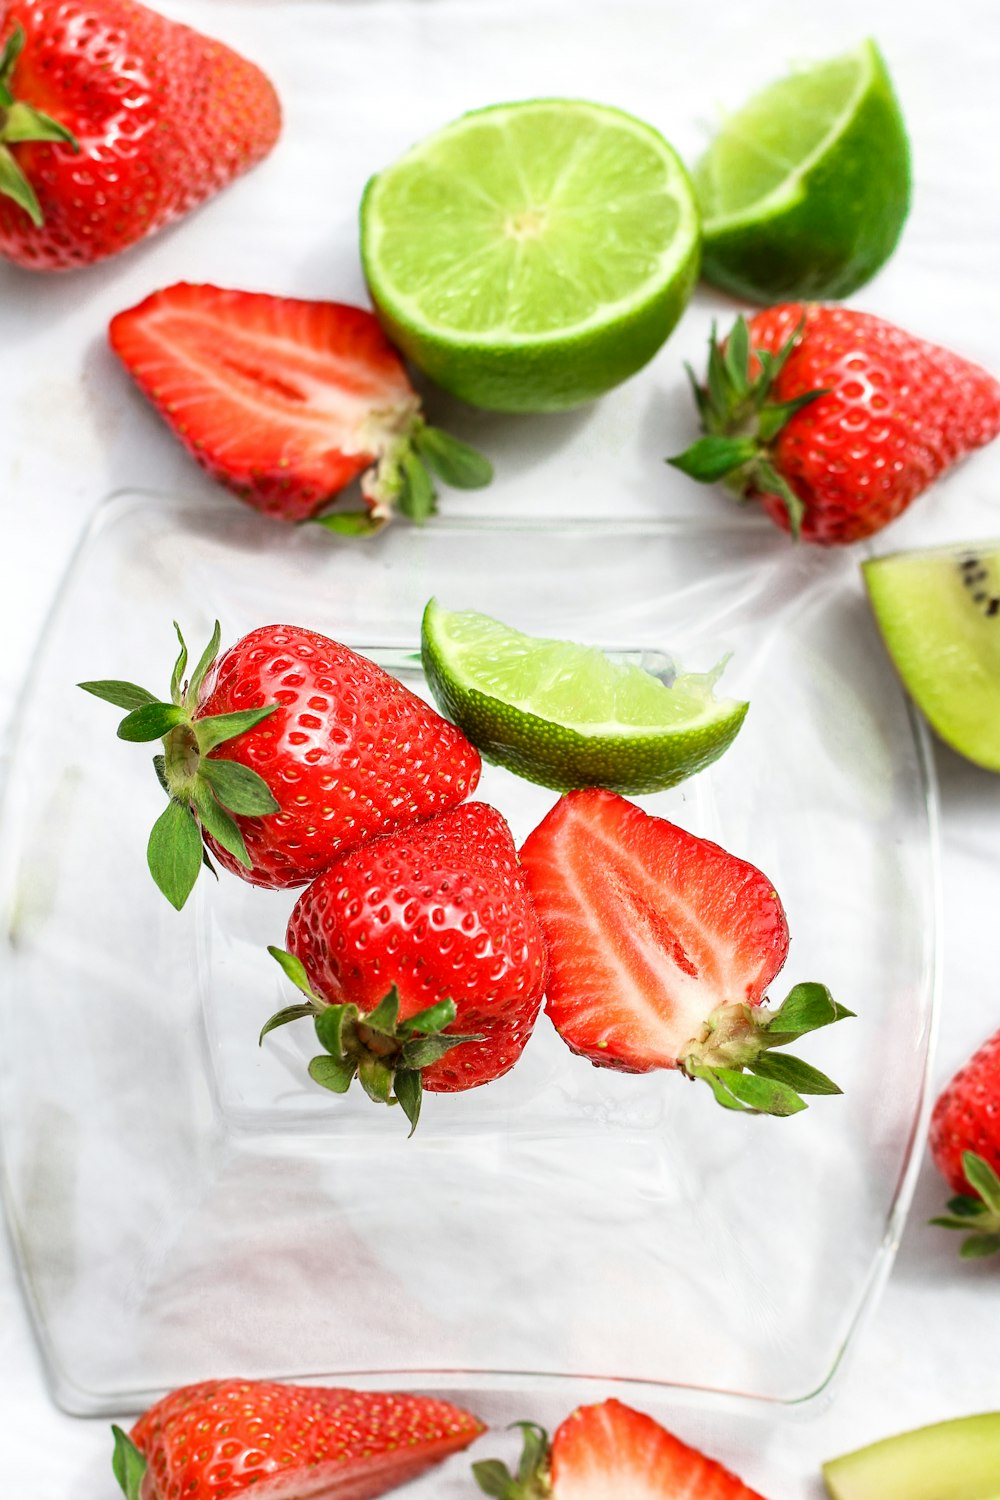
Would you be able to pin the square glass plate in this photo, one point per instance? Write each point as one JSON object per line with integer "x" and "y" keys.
{"x": 185, "y": 1203}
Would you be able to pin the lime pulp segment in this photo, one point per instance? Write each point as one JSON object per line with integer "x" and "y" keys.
{"x": 566, "y": 715}
{"x": 805, "y": 190}
{"x": 510, "y": 252}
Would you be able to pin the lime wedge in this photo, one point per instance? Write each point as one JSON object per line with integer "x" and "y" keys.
{"x": 530, "y": 256}
{"x": 569, "y": 716}
{"x": 805, "y": 191}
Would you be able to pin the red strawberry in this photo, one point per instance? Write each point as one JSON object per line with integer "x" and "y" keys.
{"x": 605, "y": 1452}
{"x": 322, "y": 750}
{"x": 413, "y": 940}
{"x": 661, "y": 946}
{"x": 124, "y": 121}
{"x": 835, "y": 420}
{"x": 965, "y": 1146}
{"x": 224, "y": 1438}
{"x": 286, "y": 401}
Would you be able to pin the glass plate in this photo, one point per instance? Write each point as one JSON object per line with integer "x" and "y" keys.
{"x": 184, "y": 1203}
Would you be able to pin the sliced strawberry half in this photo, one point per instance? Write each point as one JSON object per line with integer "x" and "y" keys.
{"x": 661, "y": 947}
{"x": 286, "y": 401}
{"x": 610, "y": 1452}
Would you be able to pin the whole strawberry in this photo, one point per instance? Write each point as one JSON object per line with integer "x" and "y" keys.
{"x": 965, "y": 1146}
{"x": 284, "y": 752}
{"x": 661, "y": 947}
{"x": 609, "y": 1452}
{"x": 285, "y": 401}
{"x": 115, "y": 121}
{"x": 223, "y": 1438}
{"x": 835, "y": 420}
{"x": 421, "y": 960}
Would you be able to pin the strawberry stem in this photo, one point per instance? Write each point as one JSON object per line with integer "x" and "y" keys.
{"x": 975, "y": 1214}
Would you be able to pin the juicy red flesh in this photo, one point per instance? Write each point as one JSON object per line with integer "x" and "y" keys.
{"x": 164, "y": 116}
{"x": 441, "y": 912}
{"x": 284, "y": 401}
{"x": 966, "y": 1117}
{"x": 648, "y": 929}
{"x": 898, "y": 412}
{"x": 220, "y": 1439}
{"x": 350, "y": 752}
{"x": 610, "y": 1450}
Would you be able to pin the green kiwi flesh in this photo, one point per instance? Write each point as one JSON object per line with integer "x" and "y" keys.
{"x": 957, "y": 1460}
{"x": 939, "y": 613}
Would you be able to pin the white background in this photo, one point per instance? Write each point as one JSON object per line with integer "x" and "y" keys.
{"x": 359, "y": 82}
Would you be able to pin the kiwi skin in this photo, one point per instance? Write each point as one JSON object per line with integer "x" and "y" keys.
{"x": 938, "y": 609}
{"x": 959, "y": 1460}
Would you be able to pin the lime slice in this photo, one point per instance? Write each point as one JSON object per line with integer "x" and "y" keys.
{"x": 805, "y": 191}
{"x": 530, "y": 256}
{"x": 568, "y": 716}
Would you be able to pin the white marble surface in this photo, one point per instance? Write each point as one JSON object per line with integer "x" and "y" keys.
{"x": 73, "y": 431}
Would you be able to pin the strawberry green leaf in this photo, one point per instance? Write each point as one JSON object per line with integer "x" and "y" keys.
{"x": 712, "y": 458}
{"x": 963, "y": 1221}
{"x": 425, "y": 1050}
{"x": 737, "y": 357}
{"x": 806, "y": 1007}
{"x": 14, "y": 184}
{"x": 330, "y": 1027}
{"x": 12, "y": 49}
{"x": 294, "y": 969}
{"x": 965, "y": 1205}
{"x": 700, "y": 398}
{"x": 349, "y": 522}
{"x": 417, "y": 498}
{"x": 763, "y": 1095}
{"x": 408, "y": 1088}
{"x": 775, "y": 414}
{"x": 216, "y": 729}
{"x": 979, "y": 1245}
{"x": 383, "y": 1017}
{"x": 333, "y": 1073}
{"x": 216, "y": 821}
{"x": 127, "y": 1464}
{"x": 174, "y": 852}
{"x": 456, "y": 463}
{"x": 160, "y": 767}
{"x": 282, "y": 1017}
{"x": 718, "y": 375}
{"x": 25, "y": 123}
{"x": 767, "y": 481}
{"x": 981, "y": 1176}
{"x": 150, "y": 722}
{"x": 200, "y": 672}
{"x": 800, "y": 1076}
{"x": 122, "y": 694}
{"x": 239, "y": 788}
{"x": 375, "y": 1077}
{"x": 433, "y": 1018}
{"x": 494, "y": 1479}
{"x": 180, "y": 667}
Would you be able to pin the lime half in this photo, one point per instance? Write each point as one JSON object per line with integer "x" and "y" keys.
{"x": 569, "y": 716}
{"x": 805, "y": 191}
{"x": 530, "y": 256}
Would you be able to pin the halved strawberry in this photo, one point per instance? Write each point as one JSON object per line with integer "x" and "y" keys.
{"x": 609, "y": 1452}
{"x": 661, "y": 946}
{"x": 286, "y": 401}
{"x": 223, "y": 1438}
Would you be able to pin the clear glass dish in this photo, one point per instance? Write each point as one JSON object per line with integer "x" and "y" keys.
{"x": 184, "y": 1203}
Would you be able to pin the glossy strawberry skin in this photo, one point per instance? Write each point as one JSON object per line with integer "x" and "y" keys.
{"x": 966, "y": 1117}
{"x": 897, "y": 413}
{"x": 350, "y": 753}
{"x": 164, "y": 117}
{"x": 282, "y": 400}
{"x": 612, "y": 1450}
{"x": 441, "y": 912}
{"x": 220, "y": 1439}
{"x": 648, "y": 928}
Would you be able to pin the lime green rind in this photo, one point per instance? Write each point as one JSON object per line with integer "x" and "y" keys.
{"x": 959, "y": 1459}
{"x": 634, "y": 759}
{"x": 545, "y": 322}
{"x": 944, "y": 646}
{"x": 835, "y": 220}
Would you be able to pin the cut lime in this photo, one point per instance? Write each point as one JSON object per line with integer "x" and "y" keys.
{"x": 569, "y": 716}
{"x": 530, "y": 256}
{"x": 805, "y": 191}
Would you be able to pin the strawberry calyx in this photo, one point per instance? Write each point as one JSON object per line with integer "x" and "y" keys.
{"x": 734, "y": 1055}
{"x": 385, "y": 1054}
{"x": 204, "y": 792}
{"x": 532, "y": 1480}
{"x": 410, "y": 454}
{"x": 128, "y": 1464}
{"x": 19, "y": 123}
{"x": 976, "y": 1214}
{"x": 740, "y": 420}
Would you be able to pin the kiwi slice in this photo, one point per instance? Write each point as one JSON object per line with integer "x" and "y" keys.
{"x": 938, "y": 609}
{"x": 959, "y": 1460}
